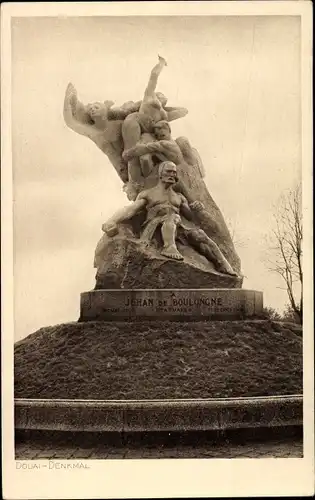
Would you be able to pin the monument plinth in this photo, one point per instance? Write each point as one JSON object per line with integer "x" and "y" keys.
{"x": 170, "y": 304}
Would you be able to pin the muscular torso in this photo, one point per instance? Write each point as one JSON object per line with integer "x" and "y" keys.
{"x": 169, "y": 150}
{"x": 160, "y": 202}
{"x": 152, "y": 107}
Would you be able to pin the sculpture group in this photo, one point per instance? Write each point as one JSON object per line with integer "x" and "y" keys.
{"x": 162, "y": 177}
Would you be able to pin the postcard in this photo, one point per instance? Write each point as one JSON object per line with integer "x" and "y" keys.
{"x": 157, "y": 249}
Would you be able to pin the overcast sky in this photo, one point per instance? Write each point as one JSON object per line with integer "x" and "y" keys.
{"x": 239, "y": 77}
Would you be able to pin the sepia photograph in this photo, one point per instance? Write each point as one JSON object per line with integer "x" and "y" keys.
{"x": 157, "y": 193}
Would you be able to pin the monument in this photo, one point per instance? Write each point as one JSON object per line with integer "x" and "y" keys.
{"x": 168, "y": 254}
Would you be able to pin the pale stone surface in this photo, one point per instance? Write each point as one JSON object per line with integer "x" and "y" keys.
{"x": 136, "y": 137}
{"x": 170, "y": 219}
{"x": 173, "y": 304}
{"x": 191, "y": 184}
{"x": 114, "y": 129}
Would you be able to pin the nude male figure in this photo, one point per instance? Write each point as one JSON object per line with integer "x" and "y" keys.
{"x": 164, "y": 208}
{"x": 164, "y": 147}
{"x": 139, "y": 126}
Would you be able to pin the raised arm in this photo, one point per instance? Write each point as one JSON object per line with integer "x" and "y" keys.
{"x": 175, "y": 113}
{"x": 162, "y": 149}
{"x": 72, "y": 108}
{"x": 78, "y": 127}
{"x": 142, "y": 149}
{"x": 155, "y": 73}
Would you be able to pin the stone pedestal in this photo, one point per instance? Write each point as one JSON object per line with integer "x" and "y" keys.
{"x": 170, "y": 304}
{"x": 123, "y": 262}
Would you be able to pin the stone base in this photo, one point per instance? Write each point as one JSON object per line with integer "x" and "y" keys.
{"x": 164, "y": 415}
{"x": 123, "y": 262}
{"x": 170, "y": 304}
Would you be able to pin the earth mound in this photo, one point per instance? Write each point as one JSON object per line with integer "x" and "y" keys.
{"x": 159, "y": 360}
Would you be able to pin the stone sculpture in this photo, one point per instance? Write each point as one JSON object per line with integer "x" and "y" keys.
{"x": 138, "y": 127}
{"x": 100, "y": 123}
{"x": 173, "y": 225}
{"x": 116, "y": 129}
{"x": 163, "y": 209}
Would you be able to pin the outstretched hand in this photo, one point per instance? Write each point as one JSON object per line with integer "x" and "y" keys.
{"x": 162, "y": 60}
{"x": 109, "y": 103}
{"x": 110, "y": 228}
{"x": 197, "y": 205}
{"x": 71, "y": 94}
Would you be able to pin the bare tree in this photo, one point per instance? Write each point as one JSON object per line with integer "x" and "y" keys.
{"x": 286, "y": 248}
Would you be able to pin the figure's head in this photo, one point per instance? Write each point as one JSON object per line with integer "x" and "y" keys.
{"x": 162, "y": 130}
{"x": 168, "y": 172}
{"x": 162, "y": 98}
{"x": 95, "y": 109}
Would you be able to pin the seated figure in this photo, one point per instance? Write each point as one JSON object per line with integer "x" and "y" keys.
{"x": 164, "y": 210}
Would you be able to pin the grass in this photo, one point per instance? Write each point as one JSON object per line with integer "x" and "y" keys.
{"x": 142, "y": 360}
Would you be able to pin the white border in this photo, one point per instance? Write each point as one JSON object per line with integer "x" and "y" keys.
{"x": 158, "y": 478}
